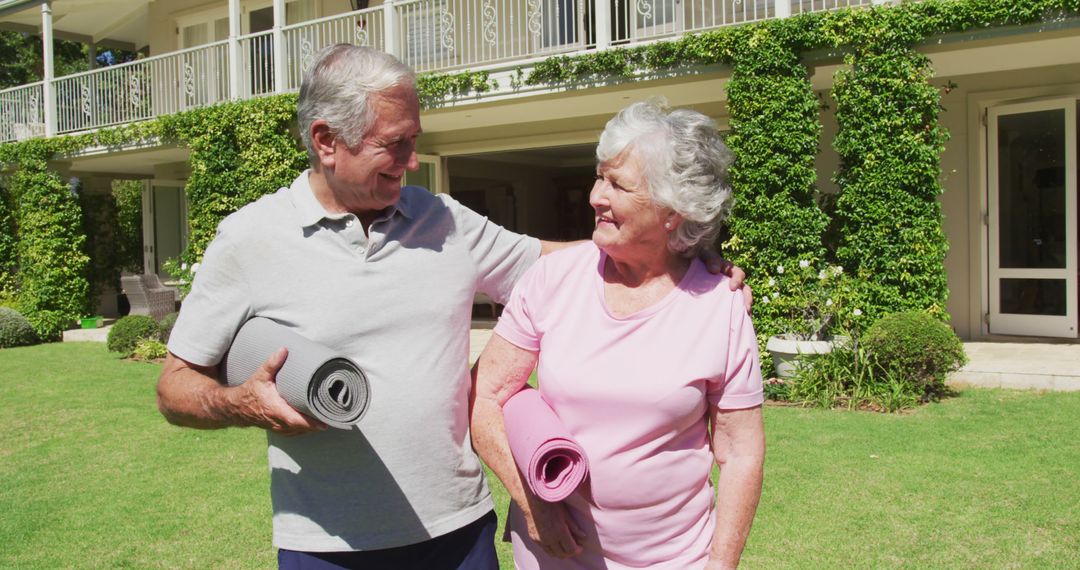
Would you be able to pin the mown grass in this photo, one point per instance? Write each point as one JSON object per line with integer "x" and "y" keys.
{"x": 92, "y": 477}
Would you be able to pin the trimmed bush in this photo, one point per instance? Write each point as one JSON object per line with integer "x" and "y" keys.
{"x": 918, "y": 347}
{"x": 150, "y": 349}
{"x": 15, "y": 330}
{"x": 166, "y": 323}
{"x": 128, "y": 331}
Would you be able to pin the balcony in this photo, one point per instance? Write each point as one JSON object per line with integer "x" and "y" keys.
{"x": 429, "y": 35}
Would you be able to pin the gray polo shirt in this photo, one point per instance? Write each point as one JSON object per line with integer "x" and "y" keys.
{"x": 398, "y": 302}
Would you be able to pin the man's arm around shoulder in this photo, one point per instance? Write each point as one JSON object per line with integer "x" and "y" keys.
{"x": 190, "y": 395}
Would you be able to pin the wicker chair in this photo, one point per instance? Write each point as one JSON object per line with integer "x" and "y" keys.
{"x": 147, "y": 296}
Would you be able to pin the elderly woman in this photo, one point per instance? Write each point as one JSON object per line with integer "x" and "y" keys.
{"x": 640, "y": 351}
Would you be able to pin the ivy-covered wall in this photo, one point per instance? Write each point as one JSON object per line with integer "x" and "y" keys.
{"x": 8, "y": 243}
{"x": 53, "y": 289}
{"x": 239, "y": 152}
{"x": 888, "y": 218}
{"x": 776, "y": 217}
{"x": 888, "y": 221}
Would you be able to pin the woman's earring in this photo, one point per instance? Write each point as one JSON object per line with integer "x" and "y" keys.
{"x": 667, "y": 225}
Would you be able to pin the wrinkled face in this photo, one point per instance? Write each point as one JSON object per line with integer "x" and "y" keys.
{"x": 628, "y": 222}
{"x": 369, "y": 175}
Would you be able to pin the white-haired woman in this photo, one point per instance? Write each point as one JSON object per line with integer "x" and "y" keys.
{"x": 640, "y": 350}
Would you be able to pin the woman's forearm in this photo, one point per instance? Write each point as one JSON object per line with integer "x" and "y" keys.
{"x": 738, "y": 444}
{"x": 490, "y": 442}
{"x": 739, "y": 489}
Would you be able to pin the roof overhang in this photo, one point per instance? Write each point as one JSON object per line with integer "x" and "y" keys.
{"x": 120, "y": 23}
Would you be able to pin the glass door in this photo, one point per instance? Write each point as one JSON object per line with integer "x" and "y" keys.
{"x": 1032, "y": 218}
{"x": 164, "y": 225}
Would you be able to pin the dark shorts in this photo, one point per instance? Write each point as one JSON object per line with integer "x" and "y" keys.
{"x": 469, "y": 548}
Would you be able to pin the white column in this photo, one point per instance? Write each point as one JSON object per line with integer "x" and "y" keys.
{"x": 280, "y": 69}
{"x": 782, "y": 8}
{"x": 236, "y": 68}
{"x": 390, "y": 29}
{"x": 602, "y": 13}
{"x": 48, "y": 90}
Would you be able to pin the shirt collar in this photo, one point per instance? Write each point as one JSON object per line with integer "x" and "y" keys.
{"x": 311, "y": 212}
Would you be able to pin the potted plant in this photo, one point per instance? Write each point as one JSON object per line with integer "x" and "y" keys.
{"x": 816, "y": 300}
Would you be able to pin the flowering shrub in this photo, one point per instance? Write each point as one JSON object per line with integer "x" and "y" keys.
{"x": 818, "y": 299}
{"x": 182, "y": 273}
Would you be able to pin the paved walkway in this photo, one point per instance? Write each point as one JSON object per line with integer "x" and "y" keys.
{"x": 1021, "y": 365}
{"x": 1037, "y": 366}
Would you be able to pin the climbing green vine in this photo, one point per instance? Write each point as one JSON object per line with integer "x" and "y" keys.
{"x": 239, "y": 152}
{"x": 888, "y": 218}
{"x": 53, "y": 286}
{"x": 776, "y": 221}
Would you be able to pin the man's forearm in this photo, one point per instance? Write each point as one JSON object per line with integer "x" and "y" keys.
{"x": 191, "y": 398}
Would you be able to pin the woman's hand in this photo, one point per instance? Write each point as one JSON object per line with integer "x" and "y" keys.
{"x": 551, "y": 527}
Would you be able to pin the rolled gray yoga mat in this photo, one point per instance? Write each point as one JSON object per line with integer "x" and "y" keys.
{"x": 314, "y": 379}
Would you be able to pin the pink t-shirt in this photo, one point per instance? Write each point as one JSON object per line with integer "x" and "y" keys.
{"x": 634, "y": 392}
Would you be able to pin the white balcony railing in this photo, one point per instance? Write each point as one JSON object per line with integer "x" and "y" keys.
{"x": 452, "y": 34}
{"x": 303, "y": 41}
{"x": 805, "y": 6}
{"x": 143, "y": 89}
{"x": 22, "y": 113}
{"x": 429, "y": 35}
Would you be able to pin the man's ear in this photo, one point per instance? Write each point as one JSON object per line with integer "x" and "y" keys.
{"x": 322, "y": 142}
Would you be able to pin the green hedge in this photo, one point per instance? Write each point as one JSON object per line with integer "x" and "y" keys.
{"x": 8, "y": 245}
{"x": 53, "y": 288}
{"x": 890, "y": 143}
{"x": 776, "y": 220}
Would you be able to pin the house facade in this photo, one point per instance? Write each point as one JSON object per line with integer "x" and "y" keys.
{"x": 523, "y": 154}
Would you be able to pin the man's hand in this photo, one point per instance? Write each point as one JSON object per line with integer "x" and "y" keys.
{"x": 258, "y": 400}
{"x": 550, "y": 526}
{"x": 190, "y": 395}
{"x": 718, "y": 265}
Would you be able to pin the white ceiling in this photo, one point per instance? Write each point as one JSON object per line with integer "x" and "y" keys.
{"x": 124, "y": 21}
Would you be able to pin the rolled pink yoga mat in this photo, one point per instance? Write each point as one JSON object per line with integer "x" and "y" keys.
{"x": 552, "y": 462}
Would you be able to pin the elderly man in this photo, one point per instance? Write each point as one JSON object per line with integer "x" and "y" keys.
{"x": 385, "y": 274}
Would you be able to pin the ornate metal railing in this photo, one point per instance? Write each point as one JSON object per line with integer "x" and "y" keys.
{"x": 22, "y": 114}
{"x": 804, "y": 6}
{"x": 302, "y": 41}
{"x": 451, "y": 34}
{"x": 429, "y": 35}
{"x": 142, "y": 89}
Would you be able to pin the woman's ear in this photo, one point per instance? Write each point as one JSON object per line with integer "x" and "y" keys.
{"x": 672, "y": 221}
{"x": 322, "y": 142}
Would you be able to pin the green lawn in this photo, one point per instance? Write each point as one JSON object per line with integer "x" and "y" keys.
{"x": 92, "y": 477}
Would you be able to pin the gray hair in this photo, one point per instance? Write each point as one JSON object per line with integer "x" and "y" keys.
{"x": 337, "y": 88}
{"x": 686, "y": 166}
